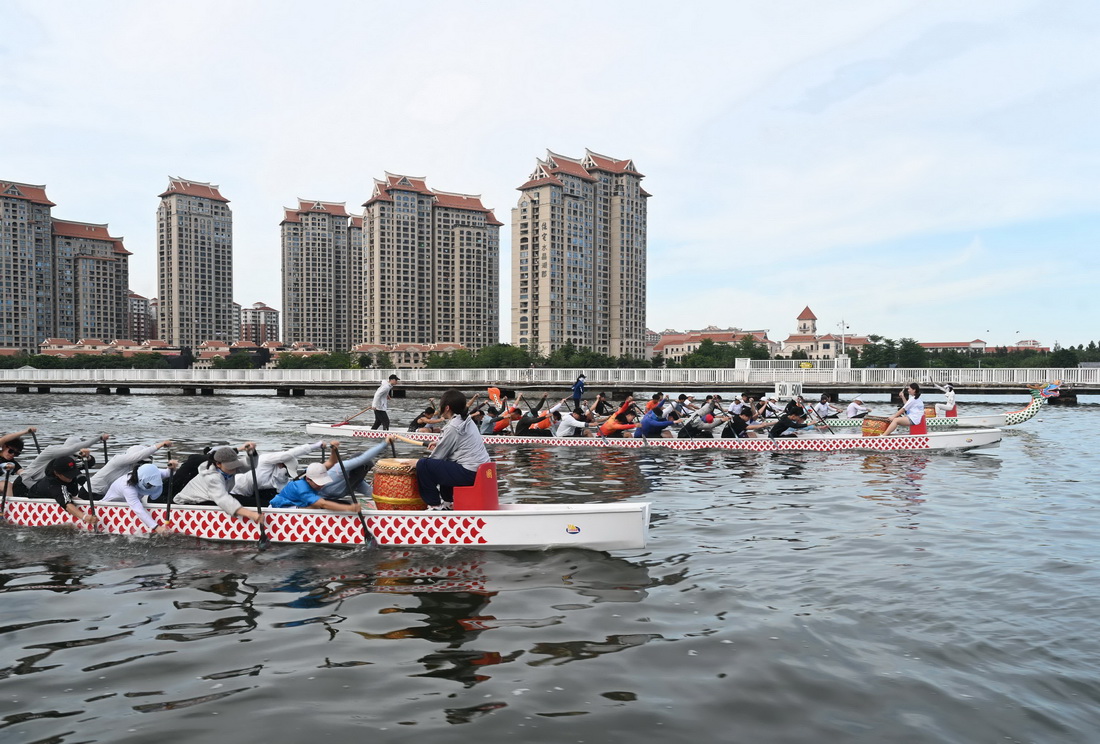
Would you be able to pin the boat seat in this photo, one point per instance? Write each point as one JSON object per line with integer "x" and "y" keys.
{"x": 953, "y": 413}
{"x": 921, "y": 428}
{"x": 483, "y": 495}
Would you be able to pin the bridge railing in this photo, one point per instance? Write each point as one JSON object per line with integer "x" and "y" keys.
{"x": 640, "y": 379}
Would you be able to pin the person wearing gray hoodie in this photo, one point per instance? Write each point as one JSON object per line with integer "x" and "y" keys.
{"x": 71, "y": 447}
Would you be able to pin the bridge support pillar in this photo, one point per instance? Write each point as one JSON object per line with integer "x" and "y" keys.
{"x": 206, "y": 391}
{"x": 282, "y": 392}
{"x": 22, "y": 388}
{"x": 298, "y": 392}
{"x": 42, "y": 389}
{"x": 122, "y": 391}
{"x": 102, "y": 390}
{"x": 189, "y": 391}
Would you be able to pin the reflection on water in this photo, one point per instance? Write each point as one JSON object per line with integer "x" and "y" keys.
{"x": 785, "y": 597}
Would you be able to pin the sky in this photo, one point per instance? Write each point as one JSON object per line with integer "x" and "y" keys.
{"x": 928, "y": 170}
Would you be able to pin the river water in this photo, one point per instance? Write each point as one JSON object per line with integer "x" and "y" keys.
{"x": 784, "y": 597}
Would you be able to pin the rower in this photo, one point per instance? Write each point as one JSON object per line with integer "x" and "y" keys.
{"x": 58, "y": 482}
{"x": 304, "y": 492}
{"x": 856, "y": 409}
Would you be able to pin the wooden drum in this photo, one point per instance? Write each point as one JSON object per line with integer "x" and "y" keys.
{"x": 874, "y": 426}
{"x": 395, "y": 485}
{"x": 929, "y": 412}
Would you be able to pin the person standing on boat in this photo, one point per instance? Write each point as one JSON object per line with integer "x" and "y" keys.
{"x": 856, "y": 409}
{"x": 214, "y": 481}
{"x": 304, "y": 493}
{"x": 947, "y": 408}
{"x": 911, "y": 411}
{"x": 381, "y": 403}
{"x": 120, "y": 464}
{"x": 578, "y": 391}
{"x": 58, "y": 482}
{"x": 142, "y": 481}
{"x": 455, "y": 458}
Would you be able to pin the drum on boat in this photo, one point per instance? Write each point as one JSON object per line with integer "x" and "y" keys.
{"x": 929, "y": 412}
{"x": 874, "y": 426}
{"x": 395, "y": 485}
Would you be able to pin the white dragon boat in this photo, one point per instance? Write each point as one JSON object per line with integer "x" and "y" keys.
{"x": 616, "y": 526}
{"x": 1039, "y": 396}
{"x": 814, "y": 440}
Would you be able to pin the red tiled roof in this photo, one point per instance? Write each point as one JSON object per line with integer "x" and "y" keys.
{"x": 16, "y": 190}
{"x": 357, "y": 222}
{"x": 193, "y": 188}
{"x": 154, "y": 342}
{"x": 800, "y": 339}
{"x": 334, "y": 208}
{"x": 90, "y": 342}
{"x": 562, "y": 164}
{"x": 135, "y": 296}
{"x": 459, "y": 201}
{"x": 950, "y": 344}
{"x": 552, "y": 180}
{"x": 602, "y": 162}
{"x": 91, "y": 231}
{"x": 290, "y": 215}
{"x": 806, "y": 314}
{"x": 491, "y": 219}
{"x": 56, "y": 342}
{"x": 124, "y": 342}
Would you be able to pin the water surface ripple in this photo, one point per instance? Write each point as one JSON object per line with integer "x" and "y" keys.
{"x": 784, "y": 597}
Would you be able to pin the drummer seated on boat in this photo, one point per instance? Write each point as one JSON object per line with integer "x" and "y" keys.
{"x": 59, "y": 483}
{"x": 304, "y": 493}
{"x": 455, "y": 458}
{"x": 911, "y": 411}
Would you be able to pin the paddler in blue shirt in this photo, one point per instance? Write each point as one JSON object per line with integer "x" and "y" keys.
{"x": 303, "y": 493}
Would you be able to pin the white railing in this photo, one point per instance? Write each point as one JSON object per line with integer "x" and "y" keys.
{"x": 641, "y": 379}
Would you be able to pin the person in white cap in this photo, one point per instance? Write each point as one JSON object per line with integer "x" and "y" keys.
{"x": 303, "y": 493}
{"x": 142, "y": 481}
{"x": 856, "y": 409}
{"x": 122, "y": 463}
{"x": 947, "y": 408}
{"x": 273, "y": 471}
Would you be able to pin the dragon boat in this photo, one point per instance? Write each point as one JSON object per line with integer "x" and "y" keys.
{"x": 478, "y": 521}
{"x": 1039, "y": 395}
{"x": 814, "y": 440}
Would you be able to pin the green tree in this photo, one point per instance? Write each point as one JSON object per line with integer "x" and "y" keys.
{"x": 911, "y": 353}
{"x": 236, "y": 360}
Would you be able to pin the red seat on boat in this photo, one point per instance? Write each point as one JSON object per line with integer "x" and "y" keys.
{"x": 483, "y": 495}
{"x": 921, "y": 428}
{"x": 953, "y": 413}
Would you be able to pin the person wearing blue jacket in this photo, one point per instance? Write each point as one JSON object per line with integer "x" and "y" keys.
{"x": 578, "y": 391}
{"x": 653, "y": 424}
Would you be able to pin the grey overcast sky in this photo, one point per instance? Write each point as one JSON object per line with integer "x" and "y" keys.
{"x": 915, "y": 169}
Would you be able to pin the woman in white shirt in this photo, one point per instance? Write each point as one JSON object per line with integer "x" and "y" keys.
{"x": 142, "y": 481}
{"x": 856, "y": 409}
{"x": 911, "y": 411}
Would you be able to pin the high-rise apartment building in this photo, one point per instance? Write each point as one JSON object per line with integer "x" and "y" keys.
{"x": 63, "y": 279}
{"x": 579, "y": 256}
{"x": 141, "y": 321}
{"x": 322, "y": 272}
{"x": 91, "y": 274}
{"x": 431, "y": 266}
{"x": 195, "y": 265}
{"x": 259, "y": 324}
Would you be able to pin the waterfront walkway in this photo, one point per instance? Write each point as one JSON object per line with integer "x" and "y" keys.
{"x": 761, "y": 377}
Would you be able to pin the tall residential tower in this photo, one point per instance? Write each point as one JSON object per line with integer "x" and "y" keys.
{"x": 195, "y": 265}
{"x": 63, "y": 279}
{"x": 322, "y": 274}
{"x": 579, "y": 256}
{"x": 431, "y": 266}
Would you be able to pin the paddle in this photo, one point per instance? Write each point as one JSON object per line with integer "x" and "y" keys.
{"x": 105, "y": 458}
{"x": 4, "y": 497}
{"x": 171, "y": 494}
{"x": 368, "y": 537}
{"x": 263, "y": 542}
{"x": 406, "y": 440}
{"x": 820, "y": 418}
{"x": 91, "y": 501}
{"x": 349, "y": 418}
{"x": 37, "y": 446}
